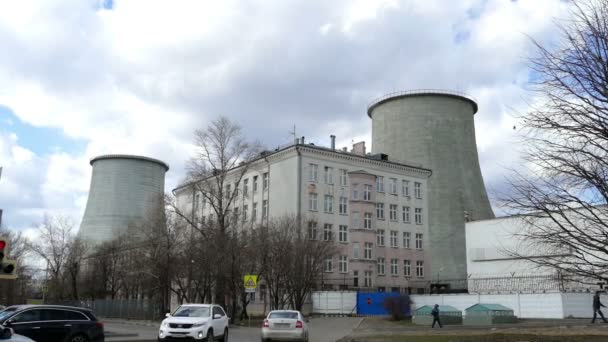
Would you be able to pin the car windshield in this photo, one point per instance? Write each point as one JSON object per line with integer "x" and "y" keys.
{"x": 283, "y": 314}
{"x": 8, "y": 312}
{"x": 192, "y": 311}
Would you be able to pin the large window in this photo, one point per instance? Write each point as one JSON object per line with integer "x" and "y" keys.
{"x": 393, "y": 212}
{"x": 418, "y": 240}
{"x": 312, "y": 201}
{"x": 255, "y": 183}
{"x": 343, "y": 177}
{"x": 264, "y": 208}
{"x": 313, "y": 172}
{"x": 407, "y": 268}
{"x": 367, "y": 221}
{"x": 394, "y": 239}
{"x": 245, "y": 186}
{"x": 312, "y": 230}
{"x": 343, "y": 206}
{"x": 328, "y": 176}
{"x": 380, "y": 184}
{"x": 245, "y": 210}
{"x": 327, "y": 232}
{"x": 420, "y": 268}
{"x": 367, "y": 278}
{"x": 406, "y": 239}
{"x": 368, "y": 251}
{"x": 355, "y": 192}
{"x": 380, "y": 237}
{"x": 418, "y": 190}
{"x": 343, "y": 233}
{"x": 367, "y": 192}
{"x": 405, "y": 188}
{"x": 254, "y": 213}
{"x": 328, "y": 205}
{"x": 329, "y": 265}
{"x": 380, "y": 266}
{"x": 393, "y": 184}
{"x": 380, "y": 211}
{"x": 356, "y": 252}
{"x": 406, "y": 214}
{"x": 356, "y": 220}
{"x": 343, "y": 264}
{"x": 394, "y": 266}
{"x": 265, "y": 181}
{"x": 418, "y": 215}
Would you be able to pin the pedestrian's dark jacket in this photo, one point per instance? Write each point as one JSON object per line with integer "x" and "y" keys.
{"x": 597, "y": 303}
{"x": 435, "y": 312}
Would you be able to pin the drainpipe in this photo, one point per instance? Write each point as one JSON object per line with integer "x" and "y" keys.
{"x": 268, "y": 192}
{"x": 299, "y": 180}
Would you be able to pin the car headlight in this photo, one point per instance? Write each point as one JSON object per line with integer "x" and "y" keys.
{"x": 164, "y": 324}
{"x": 161, "y": 333}
{"x": 198, "y": 325}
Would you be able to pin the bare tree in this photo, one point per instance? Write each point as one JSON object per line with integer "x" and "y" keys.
{"x": 563, "y": 196}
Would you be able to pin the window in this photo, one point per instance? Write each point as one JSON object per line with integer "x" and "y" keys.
{"x": 265, "y": 209}
{"x": 254, "y": 213}
{"x": 393, "y": 212}
{"x": 218, "y": 311}
{"x": 255, "y": 183}
{"x": 380, "y": 266}
{"x": 356, "y": 251}
{"x": 329, "y": 204}
{"x": 418, "y": 190}
{"x": 380, "y": 184}
{"x": 27, "y": 316}
{"x": 418, "y": 215}
{"x": 368, "y": 251}
{"x": 343, "y": 207}
{"x": 236, "y": 212}
{"x": 343, "y": 264}
{"x": 312, "y": 201}
{"x": 343, "y": 177}
{"x": 367, "y": 221}
{"x": 367, "y": 192}
{"x": 394, "y": 267}
{"x": 74, "y": 316}
{"x": 245, "y": 186}
{"x": 394, "y": 239}
{"x": 265, "y": 181}
{"x": 407, "y": 268}
{"x": 356, "y": 220}
{"x": 355, "y": 192}
{"x": 405, "y": 187}
{"x": 393, "y": 184}
{"x": 245, "y": 209}
{"x": 420, "y": 268}
{"x": 328, "y": 265}
{"x": 406, "y": 239}
{"x": 343, "y": 233}
{"x": 406, "y": 214}
{"x": 356, "y": 278}
{"x": 312, "y": 230}
{"x": 227, "y": 193}
{"x": 328, "y": 175}
{"x": 313, "y": 170}
{"x": 380, "y": 237}
{"x": 367, "y": 278}
{"x": 327, "y": 232}
{"x": 418, "y": 240}
{"x": 380, "y": 211}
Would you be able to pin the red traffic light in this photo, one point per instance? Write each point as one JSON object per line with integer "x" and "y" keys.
{"x": 2, "y": 244}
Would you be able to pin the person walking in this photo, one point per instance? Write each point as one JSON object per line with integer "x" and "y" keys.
{"x": 596, "y": 307}
{"x": 435, "y": 313}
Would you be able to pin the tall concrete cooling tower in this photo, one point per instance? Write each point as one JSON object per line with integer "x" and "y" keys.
{"x": 124, "y": 189}
{"x": 436, "y": 129}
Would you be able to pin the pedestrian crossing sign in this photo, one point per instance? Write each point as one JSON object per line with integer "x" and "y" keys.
{"x": 251, "y": 282}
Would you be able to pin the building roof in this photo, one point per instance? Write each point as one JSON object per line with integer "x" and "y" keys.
{"x": 488, "y": 307}
{"x": 442, "y": 308}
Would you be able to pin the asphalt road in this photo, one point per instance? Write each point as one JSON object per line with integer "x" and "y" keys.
{"x": 322, "y": 329}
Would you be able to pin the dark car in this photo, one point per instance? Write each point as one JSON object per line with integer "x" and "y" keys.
{"x": 53, "y": 323}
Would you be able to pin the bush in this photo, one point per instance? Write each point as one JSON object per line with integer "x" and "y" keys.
{"x": 398, "y": 307}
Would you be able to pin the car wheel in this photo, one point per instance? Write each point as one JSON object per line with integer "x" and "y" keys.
{"x": 209, "y": 336}
{"x": 79, "y": 338}
{"x": 225, "y": 337}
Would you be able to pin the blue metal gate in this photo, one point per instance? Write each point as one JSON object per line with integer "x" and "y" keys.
{"x": 372, "y": 303}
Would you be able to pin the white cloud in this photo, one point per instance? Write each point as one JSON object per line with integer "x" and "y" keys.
{"x": 140, "y": 77}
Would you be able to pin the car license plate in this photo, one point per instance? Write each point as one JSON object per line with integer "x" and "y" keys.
{"x": 281, "y": 325}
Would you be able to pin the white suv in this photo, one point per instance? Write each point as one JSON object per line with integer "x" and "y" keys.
{"x": 195, "y": 321}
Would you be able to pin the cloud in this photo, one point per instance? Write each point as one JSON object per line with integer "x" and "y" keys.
{"x": 139, "y": 76}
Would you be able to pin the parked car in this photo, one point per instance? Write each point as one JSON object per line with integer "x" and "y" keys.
{"x": 285, "y": 325}
{"x": 7, "y": 334}
{"x": 195, "y": 321}
{"x": 53, "y": 323}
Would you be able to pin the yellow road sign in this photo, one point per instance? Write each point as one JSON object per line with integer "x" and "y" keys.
{"x": 251, "y": 282}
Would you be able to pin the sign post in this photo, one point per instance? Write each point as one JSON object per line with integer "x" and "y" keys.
{"x": 251, "y": 283}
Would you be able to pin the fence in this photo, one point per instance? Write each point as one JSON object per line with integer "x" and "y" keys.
{"x": 135, "y": 309}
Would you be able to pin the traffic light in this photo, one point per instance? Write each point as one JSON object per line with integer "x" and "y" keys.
{"x": 8, "y": 268}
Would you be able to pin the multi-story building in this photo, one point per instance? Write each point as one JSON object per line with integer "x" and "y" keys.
{"x": 373, "y": 207}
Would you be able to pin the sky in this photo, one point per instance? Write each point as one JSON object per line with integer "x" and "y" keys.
{"x": 80, "y": 78}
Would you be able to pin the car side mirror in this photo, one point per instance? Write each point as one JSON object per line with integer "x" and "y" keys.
{"x": 167, "y": 315}
{"x": 6, "y": 334}
{"x": 217, "y": 316}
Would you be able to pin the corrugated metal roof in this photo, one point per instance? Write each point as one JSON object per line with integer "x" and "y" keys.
{"x": 488, "y": 307}
{"x": 442, "y": 308}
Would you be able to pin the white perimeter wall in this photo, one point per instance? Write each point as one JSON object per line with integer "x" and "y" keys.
{"x": 525, "y": 305}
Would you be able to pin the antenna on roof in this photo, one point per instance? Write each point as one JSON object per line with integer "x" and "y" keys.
{"x": 293, "y": 133}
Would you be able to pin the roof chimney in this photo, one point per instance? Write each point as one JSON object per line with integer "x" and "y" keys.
{"x": 359, "y": 148}
{"x": 333, "y": 141}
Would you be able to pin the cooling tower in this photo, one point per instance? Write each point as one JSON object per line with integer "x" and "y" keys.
{"x": 124, "y": 189}
{"x": 436, "y": 129}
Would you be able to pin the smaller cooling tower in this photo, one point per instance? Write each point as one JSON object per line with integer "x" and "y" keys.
{"x": 124, "y": 189}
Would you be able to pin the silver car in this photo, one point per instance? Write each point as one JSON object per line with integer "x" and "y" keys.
{"x": 7, "y": 334}
{"x": 285, "y": 325}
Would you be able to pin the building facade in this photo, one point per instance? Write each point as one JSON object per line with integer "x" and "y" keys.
{"x": 374, "y": 209}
